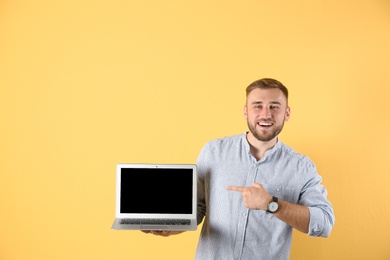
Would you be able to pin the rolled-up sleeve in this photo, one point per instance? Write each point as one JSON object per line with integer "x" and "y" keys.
{"x": 314, "y": 196}
{"x": 321, "y": 222}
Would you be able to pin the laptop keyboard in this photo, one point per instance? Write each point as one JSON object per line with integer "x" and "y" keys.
{"x": 128, "y": 221}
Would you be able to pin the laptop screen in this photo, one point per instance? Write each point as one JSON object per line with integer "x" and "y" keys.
{"x": 156, "y": 191}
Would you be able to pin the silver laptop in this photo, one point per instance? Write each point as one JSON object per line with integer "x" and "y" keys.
{"x": 155, "y": 197}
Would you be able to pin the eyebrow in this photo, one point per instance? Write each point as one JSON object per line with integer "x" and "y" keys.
{"x": 261, "y": 102}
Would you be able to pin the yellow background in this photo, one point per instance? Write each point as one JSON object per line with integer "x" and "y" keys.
{"x": 85, "y": 85}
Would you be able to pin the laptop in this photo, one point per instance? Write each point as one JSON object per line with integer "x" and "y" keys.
{"x": 155, "y": 197}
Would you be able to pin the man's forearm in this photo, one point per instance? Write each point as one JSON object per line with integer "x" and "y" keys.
{"x": 297, "y": 216}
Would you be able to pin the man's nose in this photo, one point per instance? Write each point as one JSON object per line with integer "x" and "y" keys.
{"x": 265, "y": 112}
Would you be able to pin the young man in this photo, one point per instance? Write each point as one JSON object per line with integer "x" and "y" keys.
{"x": 253, "y": 190}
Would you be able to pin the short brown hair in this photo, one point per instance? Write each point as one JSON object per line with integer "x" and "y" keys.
{"x": 267, "y": 83}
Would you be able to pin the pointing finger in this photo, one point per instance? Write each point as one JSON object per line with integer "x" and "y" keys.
{"x": 235, "y": 188}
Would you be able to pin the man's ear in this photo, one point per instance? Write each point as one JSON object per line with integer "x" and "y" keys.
{"x": 287, "y": 115}
{"x": 245, "y": 112}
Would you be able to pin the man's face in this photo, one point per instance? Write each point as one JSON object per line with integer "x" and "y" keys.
{"x": 266, "y": 111}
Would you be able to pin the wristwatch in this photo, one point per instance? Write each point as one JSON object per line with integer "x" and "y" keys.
{"x": 273, "y": 205}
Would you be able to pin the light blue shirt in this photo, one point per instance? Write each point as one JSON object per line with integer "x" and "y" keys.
{"x": 232, "y": 231}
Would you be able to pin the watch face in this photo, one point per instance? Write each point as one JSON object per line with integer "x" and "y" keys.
{"x": 273, "y": 206}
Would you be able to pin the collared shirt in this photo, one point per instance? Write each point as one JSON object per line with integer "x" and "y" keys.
{"x": 230, "y": 230}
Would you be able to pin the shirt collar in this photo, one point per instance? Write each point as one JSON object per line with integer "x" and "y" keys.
{"x": 271, "y": 151}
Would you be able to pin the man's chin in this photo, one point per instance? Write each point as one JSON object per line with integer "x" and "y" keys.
{"x": 265, "y": 137}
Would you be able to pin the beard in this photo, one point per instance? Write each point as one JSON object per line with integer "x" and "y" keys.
{"x": 265, "y": 136}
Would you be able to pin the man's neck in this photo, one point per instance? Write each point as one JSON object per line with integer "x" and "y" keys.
{"x": 259, "y": 148}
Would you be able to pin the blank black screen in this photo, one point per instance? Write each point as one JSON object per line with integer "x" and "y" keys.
{"x": 156, "y": 190}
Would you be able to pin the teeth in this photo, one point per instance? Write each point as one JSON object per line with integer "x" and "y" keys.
{"x": 265, "y": 124}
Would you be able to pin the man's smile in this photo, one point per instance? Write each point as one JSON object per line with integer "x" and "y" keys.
{"x": 265, "y": 124}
